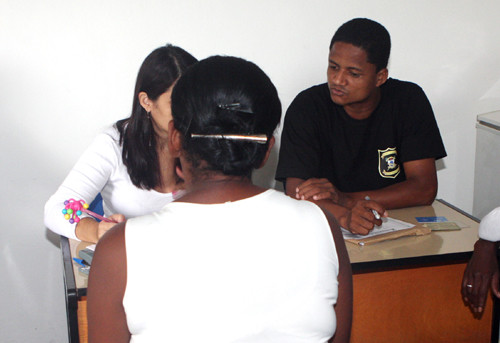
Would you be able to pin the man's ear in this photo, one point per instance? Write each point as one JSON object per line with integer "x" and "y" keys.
{"x": 268, "y": 152}
{"x": 382, "y": 76}
{"x": 145, "y": 102}
{"x": 174, "y": 140}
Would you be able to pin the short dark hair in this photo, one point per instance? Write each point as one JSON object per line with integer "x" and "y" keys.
{"x": 368, "y": 35}
{"x": 157, "y": 74}
{"x": 225, "y": 95}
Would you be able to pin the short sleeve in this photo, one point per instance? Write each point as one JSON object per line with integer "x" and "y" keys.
{"x": 489, "y": 228}
{"x": 300, "y": 154}
{"x": 420, "y": 137}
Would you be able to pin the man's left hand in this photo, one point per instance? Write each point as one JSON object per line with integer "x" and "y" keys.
{"x": 320, "y": 189}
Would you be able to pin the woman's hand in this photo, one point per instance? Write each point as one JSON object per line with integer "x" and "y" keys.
{"x": 89, "y": 230}
{"x": 481, "y": 273}
{"x": 104, "y": 226}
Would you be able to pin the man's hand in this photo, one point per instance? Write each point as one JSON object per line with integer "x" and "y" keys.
{"x": 361, "y": 219}
{"x": 357, "y": 216}
{"x": 480, "y": 273}
{"x": 321, "y": 189}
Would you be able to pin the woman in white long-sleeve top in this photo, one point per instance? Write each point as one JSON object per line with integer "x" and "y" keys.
{"x": 129, "y": 163}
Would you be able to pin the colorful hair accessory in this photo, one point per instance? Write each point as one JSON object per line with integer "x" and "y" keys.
{"x": 73, "y": 209}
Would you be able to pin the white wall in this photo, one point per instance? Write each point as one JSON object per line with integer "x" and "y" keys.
{"x": 67, "y": 70}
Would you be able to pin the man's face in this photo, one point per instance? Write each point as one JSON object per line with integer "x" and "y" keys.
{"x": 352, "y": 79}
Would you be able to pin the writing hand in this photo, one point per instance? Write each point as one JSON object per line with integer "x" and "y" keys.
{"x": 361, "y": 219}
{"x": 104, "y": 226}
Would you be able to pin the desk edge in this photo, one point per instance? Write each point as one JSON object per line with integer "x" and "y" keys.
{"x": 71, "y": 293}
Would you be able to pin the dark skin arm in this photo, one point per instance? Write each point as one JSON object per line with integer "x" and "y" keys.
{"x": 359, "y": 219}
{"x": 419, "y": 188}
{"x": 481, "y": 273}
{"x": 343, "y": 307}
{"x": 107, "y": 280}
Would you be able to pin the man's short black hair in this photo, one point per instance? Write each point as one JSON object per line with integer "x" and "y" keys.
{"x": 368, "y": 35}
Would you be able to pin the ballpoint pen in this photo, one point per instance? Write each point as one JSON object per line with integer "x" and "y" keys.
{"x": 375, "y": 213}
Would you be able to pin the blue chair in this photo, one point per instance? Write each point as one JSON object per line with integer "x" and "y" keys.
{"x": 96, "y": 205}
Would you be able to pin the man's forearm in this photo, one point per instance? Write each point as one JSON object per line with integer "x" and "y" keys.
{"x": 404, "y": 194}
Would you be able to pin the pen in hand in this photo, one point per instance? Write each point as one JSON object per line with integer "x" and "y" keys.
{"x": 98, "y": 216}
{"x": 375, "y": 213}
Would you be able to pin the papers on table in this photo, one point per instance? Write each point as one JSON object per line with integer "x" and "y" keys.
{"x": 388, "y": 225}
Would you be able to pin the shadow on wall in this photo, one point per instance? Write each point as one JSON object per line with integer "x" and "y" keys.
{"x": 264, "y": 177}
{"x": 440, "y": 165}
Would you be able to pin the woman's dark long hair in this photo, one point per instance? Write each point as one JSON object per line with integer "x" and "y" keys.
{"x": 157, "y": 74}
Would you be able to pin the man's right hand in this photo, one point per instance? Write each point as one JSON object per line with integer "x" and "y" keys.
{"x": 360, "y": 219}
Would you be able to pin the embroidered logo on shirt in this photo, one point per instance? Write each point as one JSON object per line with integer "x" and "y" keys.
{"x": 387, "y": 164}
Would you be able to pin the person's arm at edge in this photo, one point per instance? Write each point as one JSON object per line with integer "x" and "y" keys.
{"x": 419, "y": 188}
{"x": 481, "y": 273}
{"x": 343, "y": 307}
{"x": 107, "y": 320}
{"x": 83, "y": 182}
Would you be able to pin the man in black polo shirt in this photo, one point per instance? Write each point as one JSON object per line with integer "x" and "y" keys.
{"x": 360, "y": 136}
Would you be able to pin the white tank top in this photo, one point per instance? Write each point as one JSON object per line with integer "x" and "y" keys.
{"x": 262, "y": 269}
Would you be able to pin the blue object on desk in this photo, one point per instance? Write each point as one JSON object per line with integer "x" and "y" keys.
{"x": 431, "y": 219}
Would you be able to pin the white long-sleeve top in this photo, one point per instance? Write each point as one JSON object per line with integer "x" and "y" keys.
{"x": 489, "y": 228}
{"x": 101, "y": 170}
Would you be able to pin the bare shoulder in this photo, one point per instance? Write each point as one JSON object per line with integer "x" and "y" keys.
{"x": 110, "y": 256}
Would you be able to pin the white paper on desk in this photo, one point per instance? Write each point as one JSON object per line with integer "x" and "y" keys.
{"x": 388, "y": 225}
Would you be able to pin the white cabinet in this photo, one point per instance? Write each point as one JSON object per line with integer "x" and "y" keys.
{"x": 487, "y": 164}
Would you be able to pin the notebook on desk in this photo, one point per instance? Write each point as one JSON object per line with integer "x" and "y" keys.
{"x": 87, "y": 254}
{"x": 390, "y": 229}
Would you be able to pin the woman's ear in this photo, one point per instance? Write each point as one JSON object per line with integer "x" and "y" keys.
{"x": 145, "y": 102}
{"x": 268, "y": 152}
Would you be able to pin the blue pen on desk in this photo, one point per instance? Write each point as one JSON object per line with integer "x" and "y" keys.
{"x": 375, "y": 213}
{"x": 80, "y": 262}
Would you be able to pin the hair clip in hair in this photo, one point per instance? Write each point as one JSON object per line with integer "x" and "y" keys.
{"x": 236, "y": 106}
{"x": 260, "y": 139}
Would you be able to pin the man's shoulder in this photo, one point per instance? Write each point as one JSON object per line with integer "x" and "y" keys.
{"x": 395, "y": 85}
{"x": 315, "y": 91}
{"x": 313, "y": 99}
{"x": 311, "y": 104}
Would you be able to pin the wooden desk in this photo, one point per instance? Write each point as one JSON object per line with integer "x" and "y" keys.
{"x": 408, "y": 290}
{"x": 405, "y": 290}
{"x": 75, "y": 285}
